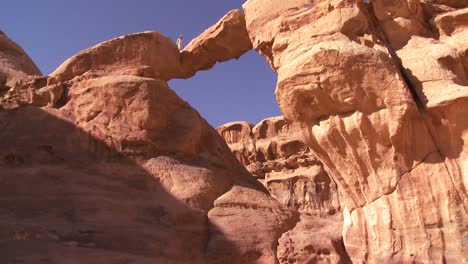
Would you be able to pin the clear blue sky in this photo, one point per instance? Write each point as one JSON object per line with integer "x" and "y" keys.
{"x": 53, "y": 30}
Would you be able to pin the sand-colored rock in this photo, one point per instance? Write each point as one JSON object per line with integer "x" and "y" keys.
{"x": 152, "y": 55}
{"x": 275, "y": 152}
{"x": 430, "y": 65}
{"x": 123, "y": 170}
{"x": 225, "y": 40}
{"x": 401, "y": 20}
{"x": 102, "y": 163}
{"x": 313, "y": 240}
{"x": 239, "y": 137}
{"x": 363, "y": 120}
{"x": 14, "y": 63}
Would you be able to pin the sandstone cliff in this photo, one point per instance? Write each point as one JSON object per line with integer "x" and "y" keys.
{"x": 381, "y": 91}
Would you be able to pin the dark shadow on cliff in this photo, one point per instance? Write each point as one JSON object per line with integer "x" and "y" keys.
{"x": 69, "y": 198}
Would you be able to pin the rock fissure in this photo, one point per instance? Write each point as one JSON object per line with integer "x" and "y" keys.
{"x": 397, "y": 60}
{"x": 418, "y": 100}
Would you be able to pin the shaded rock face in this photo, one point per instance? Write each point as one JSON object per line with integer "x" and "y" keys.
{"x": 102, "y": 162}
{"x": 382, "y": 111}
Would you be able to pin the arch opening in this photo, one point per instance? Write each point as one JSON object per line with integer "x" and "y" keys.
{"x": 235, "y": 90}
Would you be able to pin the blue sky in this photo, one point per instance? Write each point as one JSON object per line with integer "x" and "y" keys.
{"x": 53, "y": 30}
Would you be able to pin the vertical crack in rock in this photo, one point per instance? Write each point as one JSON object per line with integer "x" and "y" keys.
{"x": 411, "y": 87}
{"x": 398, "y": 63}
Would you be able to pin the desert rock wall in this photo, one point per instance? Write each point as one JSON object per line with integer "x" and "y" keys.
{"x": 379, "y": 88}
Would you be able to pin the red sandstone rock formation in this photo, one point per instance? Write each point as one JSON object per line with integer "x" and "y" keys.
{"x": 116, "y": 168}
{"x": 398, "y": 158}
{"x": 102, "y": 163}
{"x": 145, "y": 54}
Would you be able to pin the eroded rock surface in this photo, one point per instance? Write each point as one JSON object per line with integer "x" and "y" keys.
{"x": 399, "y": 161}
{"x": 33, "y": 90}
{"x": 150, "y": 54}
{"x": 122, "y": 170}
{"x": 102, "y": 163}
{"x": 275, "y": 152}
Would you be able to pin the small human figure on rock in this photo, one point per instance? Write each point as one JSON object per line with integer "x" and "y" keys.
{"x": 180, "y": 42}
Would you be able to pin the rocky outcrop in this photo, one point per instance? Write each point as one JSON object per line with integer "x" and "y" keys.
{"x": 14, "y": 63}
{"x": 398, "y": 161}
{"x": 447, "y": 3}
{"x": 275, "y": 152}
{"x": 120, "y": 169}
{"x": 33, "y": 90}
{"x": 103, "y": 163}
{"x": 226, "y": 40}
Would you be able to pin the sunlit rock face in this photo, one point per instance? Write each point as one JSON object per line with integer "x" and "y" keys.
{"x": 225, "y": 40}
{"x": 383, "y": 111}
{"x": 14, "y": 63}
